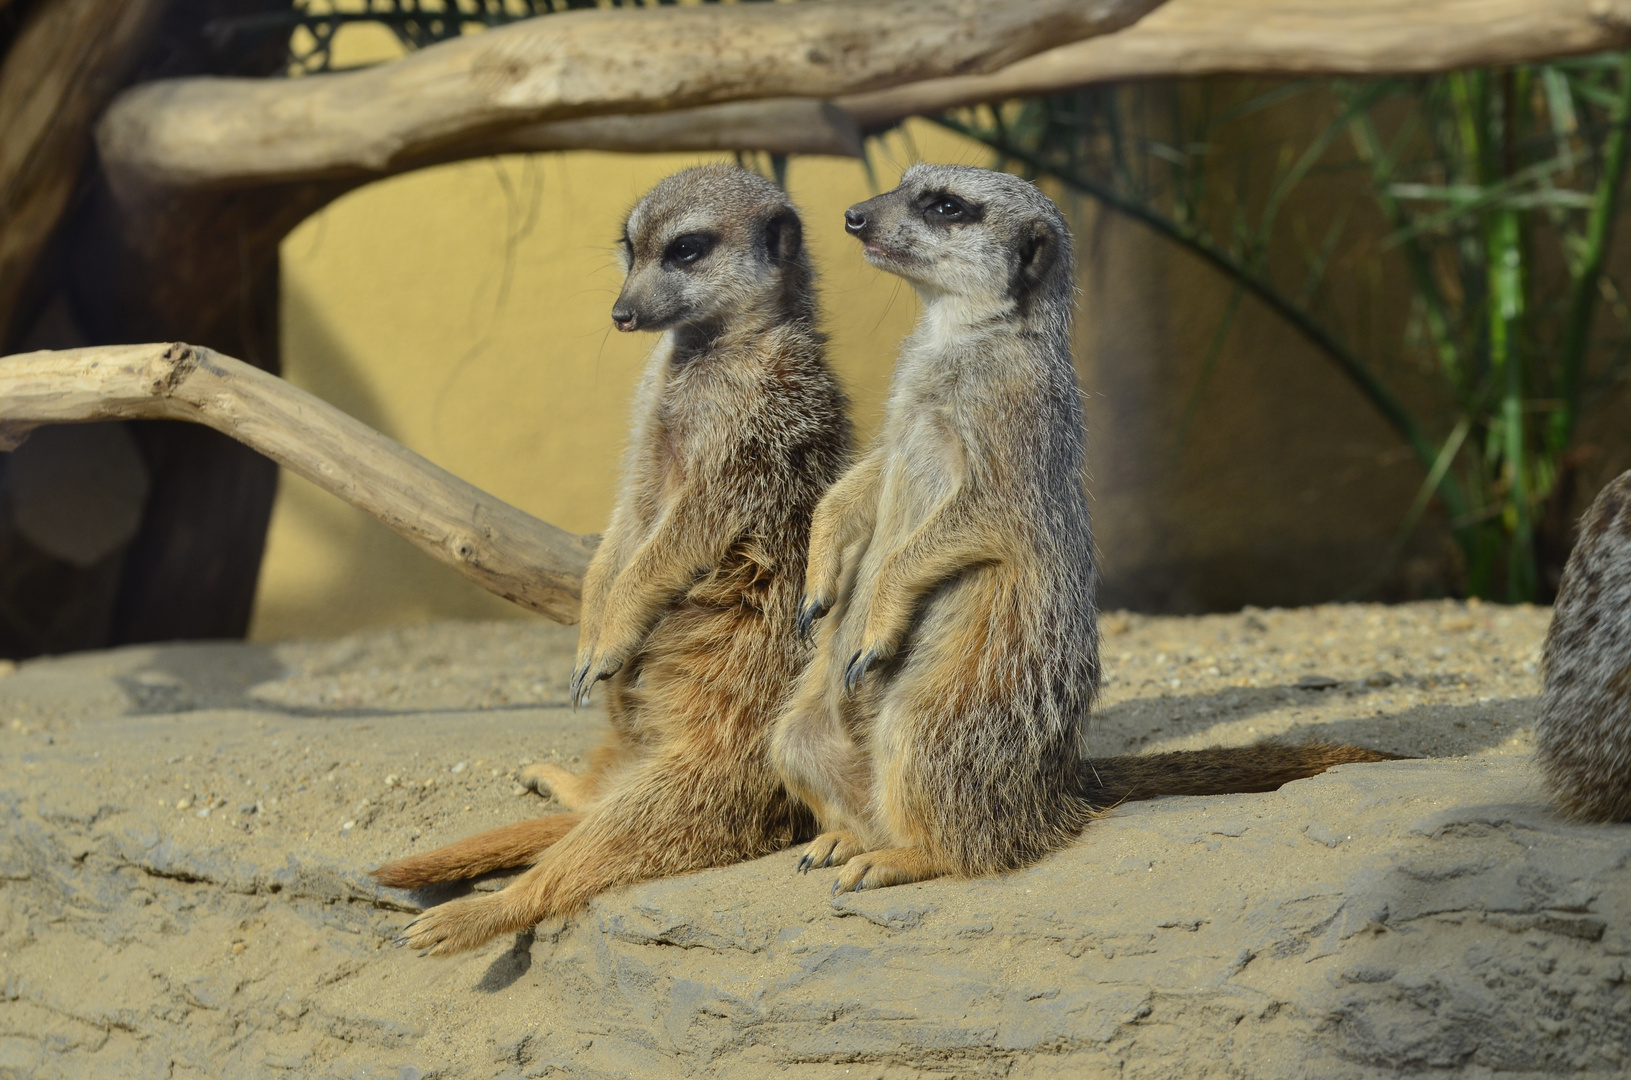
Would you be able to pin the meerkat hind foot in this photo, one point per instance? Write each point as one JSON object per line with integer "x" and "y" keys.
{"x": 549, "y": 779}
{"x": 830, "y": 849}
{"x": 455, "y": 927}
{"x": 885, "y": 867}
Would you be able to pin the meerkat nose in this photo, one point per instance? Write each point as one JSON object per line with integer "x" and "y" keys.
{"x": 623, "y": 319}
{"x": 854, "y": 220}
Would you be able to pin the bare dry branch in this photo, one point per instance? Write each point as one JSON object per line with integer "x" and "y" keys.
{"x": 502, "y": 549}
{"x": 1282, "y": 37}
{"x": 783, "y": 125}
{"x": 190, "y": 133}
{"x": 66, "y": 61}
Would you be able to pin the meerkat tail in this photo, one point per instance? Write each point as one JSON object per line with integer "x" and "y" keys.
{"x": 519, "y": 844}
{"x": 1224, "y": 770}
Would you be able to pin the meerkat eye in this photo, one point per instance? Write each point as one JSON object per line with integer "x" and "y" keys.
{"x": 945, "y": 208}
{"x": 688, "y": 249}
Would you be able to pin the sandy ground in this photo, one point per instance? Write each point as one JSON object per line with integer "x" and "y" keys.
{"x": 187, "y": 830}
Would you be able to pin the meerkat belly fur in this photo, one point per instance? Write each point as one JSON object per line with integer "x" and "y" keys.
{"x": 941, "y": 726}
{"x": 690, "y": 601}
{"x": 1584, "y": 744}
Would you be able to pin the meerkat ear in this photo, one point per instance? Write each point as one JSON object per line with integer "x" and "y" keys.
{"x": 784, "y": 236}
{"x": 1038, "y": 251}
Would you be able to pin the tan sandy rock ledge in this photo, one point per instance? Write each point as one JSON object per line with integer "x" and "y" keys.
{"x": 186, "y": 830}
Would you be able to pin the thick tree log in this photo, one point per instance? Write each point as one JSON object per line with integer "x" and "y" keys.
{"x": 781, "y": 125}
{"x": 502, "y": 549}
{"x": 1281, "y": 37}
{"x": 67, "y": 60}
{"x": 189, "y": 133}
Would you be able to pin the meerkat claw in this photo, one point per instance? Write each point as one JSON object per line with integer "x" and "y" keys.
{"x": 575, "y": 692}
{"x": 809, "y": 611}
{"x": 804, "y": 865}
{"x": 856, "y": 670}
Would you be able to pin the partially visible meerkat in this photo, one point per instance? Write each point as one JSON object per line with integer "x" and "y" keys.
{"x": 1585, "y": 719}
{"x": 690, "y": 600}
{"x": 941, "y": 725}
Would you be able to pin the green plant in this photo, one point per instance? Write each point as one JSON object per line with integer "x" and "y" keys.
{"x": 1493, "y": 193}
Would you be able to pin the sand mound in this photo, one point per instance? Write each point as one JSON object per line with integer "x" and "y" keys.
{"x": 186, "y": 830}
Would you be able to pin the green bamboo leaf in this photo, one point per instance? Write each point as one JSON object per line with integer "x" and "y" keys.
{"x": 1559, "y": 101}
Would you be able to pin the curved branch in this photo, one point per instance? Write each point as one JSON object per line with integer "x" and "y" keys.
{"x": 779, "y": 125}
{"x": 1281, "y": 37}
{"x": 253, "y": 132}
{"x": 499, "y": 547}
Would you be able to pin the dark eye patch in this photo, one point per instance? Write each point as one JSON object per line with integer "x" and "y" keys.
{"x": 944, "y": 208}
{"x": 688, "y": 250}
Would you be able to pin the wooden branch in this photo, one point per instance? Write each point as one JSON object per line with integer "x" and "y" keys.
{"x": 189, "y": 133}
{"x": 66, "y": 61}
{"x": 1282, "y": 37}
{"x": 781, "y": 125}
{"x": 502, "y": 549}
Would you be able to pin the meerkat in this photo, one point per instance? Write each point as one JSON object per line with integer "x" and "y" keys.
{"x": 689, "y": 601}
{"x": 1584, "y": 743}
{"x": 940, "y": 727}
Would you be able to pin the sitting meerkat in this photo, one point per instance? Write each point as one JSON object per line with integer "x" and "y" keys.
{"x": 941, "y": 725}
{"x": 689, "y": 602}
{"x": 1584, "y": 743}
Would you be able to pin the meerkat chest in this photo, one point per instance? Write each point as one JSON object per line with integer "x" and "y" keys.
{"x": 926, "y": 466}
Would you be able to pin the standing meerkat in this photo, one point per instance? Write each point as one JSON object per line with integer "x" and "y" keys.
{"x": 1584, "y": 741}
{"x": 690, "y": 600}
{"x": 941, "y": 725}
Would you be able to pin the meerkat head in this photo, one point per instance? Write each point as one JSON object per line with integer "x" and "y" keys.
{"x": 958, "y": 232}
{"x": 709, "y": 247}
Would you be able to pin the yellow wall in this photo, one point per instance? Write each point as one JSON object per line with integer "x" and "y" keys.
{"x": 463, "y": 311}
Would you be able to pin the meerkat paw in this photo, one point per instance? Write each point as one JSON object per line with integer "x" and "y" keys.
{"x": 589, "y": 671}
{"x": 549, "y": 779}
{"x": 885, "y": 867}
{"x": 859, "y": 664}
{"x": 830, "y": 849}
{"x": 457, "y": 926}
{"x": 812, "y": 608}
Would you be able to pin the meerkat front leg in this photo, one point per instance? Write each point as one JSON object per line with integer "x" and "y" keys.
{"x": 846, "y": 512}
{"x": 597, "y": 582}
{"x": 946, "y": 543}
{"x": 687, "y": 539}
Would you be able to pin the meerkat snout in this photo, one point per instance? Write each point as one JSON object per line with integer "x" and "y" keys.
{"x": 854, "y": 220}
